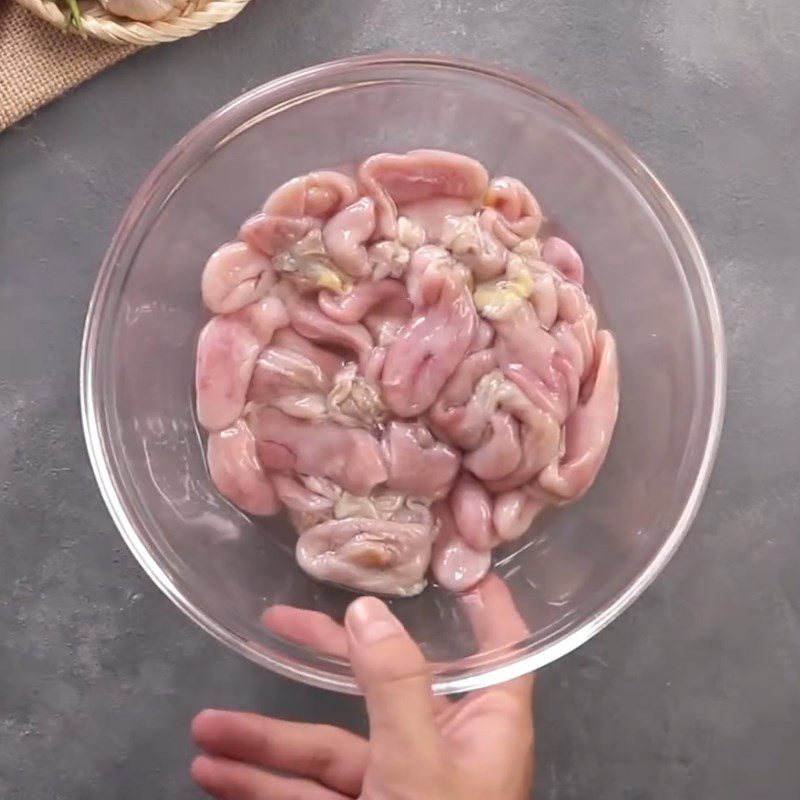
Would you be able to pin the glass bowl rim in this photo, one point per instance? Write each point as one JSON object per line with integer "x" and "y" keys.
{"x": 519, "y": 662}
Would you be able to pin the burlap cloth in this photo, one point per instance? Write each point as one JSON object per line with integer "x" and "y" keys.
{"x": 38, "y": 62}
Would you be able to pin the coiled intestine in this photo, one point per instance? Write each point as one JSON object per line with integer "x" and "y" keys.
{"x": 405, "y": 363}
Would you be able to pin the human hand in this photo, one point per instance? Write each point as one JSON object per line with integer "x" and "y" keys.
{"x": 420, "y": 747}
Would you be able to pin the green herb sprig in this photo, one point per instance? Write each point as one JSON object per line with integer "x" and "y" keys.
{"x": 73, "y": 14}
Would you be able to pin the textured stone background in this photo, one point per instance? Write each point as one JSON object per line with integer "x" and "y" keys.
{"x": 695, "y": 692}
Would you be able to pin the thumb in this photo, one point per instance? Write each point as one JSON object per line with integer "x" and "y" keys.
{"x": 395, "y": 679}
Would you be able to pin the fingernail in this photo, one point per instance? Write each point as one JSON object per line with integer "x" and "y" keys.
{"x": 370, "y": 621}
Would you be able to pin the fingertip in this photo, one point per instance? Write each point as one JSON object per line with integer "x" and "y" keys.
{"x": 368, "y": 620}
{"x": 493, "y": 585}
{"x": 493, "y": 614}
{"x": 311, "y": 628}
{"x": 213, "y": 776}
{"x": 204, "y": 723}
{"x": 274, "y": 615}
{"x": 202, "y": 771}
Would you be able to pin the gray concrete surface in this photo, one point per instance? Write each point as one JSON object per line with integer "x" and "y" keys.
{"x": 695, "y": 692}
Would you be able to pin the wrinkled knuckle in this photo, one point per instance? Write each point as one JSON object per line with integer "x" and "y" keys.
{"x": 410, "y": 669}
{"x": 414, "y": 668}
{"x": 408, "y": 679}
{"x": 320, "y": 760}
{"x": 408, "y": 664}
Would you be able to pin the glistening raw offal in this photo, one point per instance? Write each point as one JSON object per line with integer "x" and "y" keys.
{"x": 407, "y": 364}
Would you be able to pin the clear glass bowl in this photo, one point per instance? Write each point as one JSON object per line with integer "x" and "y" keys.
{"x": 581, "y": 565}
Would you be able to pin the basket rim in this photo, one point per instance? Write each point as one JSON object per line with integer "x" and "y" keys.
{"x": 117, "y": 30}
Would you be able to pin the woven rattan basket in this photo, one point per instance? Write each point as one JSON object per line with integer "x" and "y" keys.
{"x": 197, "y": 16}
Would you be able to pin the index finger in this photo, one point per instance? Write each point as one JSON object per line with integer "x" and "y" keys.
{"x": 310, "y": 628}
{"x": 497, "y": 623}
